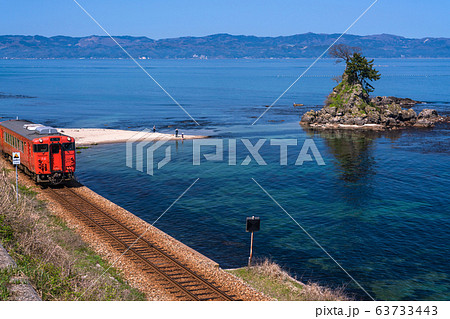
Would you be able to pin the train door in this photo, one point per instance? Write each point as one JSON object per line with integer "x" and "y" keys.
{"x": 56, "y": 157}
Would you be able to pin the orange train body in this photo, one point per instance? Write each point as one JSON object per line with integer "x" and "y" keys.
{"x": 45, "y": 154}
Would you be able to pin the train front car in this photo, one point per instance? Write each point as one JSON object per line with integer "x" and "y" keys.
{"x": 54, "y": 158}
{"x": 46, "y": 155}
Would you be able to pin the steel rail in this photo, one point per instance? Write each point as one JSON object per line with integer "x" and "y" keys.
{"x": 136, "y": 253}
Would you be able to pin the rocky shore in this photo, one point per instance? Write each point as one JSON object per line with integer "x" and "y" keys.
{"x": 349, "y": 106}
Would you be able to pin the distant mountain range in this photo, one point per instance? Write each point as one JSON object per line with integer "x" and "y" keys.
{"x": 217, "y": 46}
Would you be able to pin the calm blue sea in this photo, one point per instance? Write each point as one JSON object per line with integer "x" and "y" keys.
{"x": 380, "y": 205}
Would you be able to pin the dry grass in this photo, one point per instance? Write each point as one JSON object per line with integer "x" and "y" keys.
{"x": 272, "y": 280}
{"x": 57, "y": 262}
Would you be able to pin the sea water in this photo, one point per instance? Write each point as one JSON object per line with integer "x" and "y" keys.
{"x": 379, "y": 206}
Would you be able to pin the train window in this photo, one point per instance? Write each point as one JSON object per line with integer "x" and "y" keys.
{"x": 68, "y": 146}
{"x": 54, "y": 148}
{"x": 40, "y": 148}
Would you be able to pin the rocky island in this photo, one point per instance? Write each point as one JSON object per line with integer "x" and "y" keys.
{"x": 350, "y": 106}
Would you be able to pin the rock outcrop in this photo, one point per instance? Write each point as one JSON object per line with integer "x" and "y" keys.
{"x": 349, "y": 106}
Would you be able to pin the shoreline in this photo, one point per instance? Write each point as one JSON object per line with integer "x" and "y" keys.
{"x": 227, "y": 278}
{"x": 370, "y": 126}
{"x": 94, "y": 136}
{"x": 366, "y": 127}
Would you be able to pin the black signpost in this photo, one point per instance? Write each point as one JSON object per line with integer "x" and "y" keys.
{"x": 252, "y": 225}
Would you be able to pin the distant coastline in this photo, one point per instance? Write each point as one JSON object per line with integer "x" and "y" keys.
{"x": 193, "y": 59}
{"x": 217, "y": 46}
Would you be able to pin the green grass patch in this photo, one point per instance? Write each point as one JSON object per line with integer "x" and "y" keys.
{"x": 47, "y": 278}
{"x": 5, "y": 278}
{"x": 6, "y": 231}
{"x": 28, "y": 191}
{"x": 82, "y": 147}
{"x": 275, "y": 282}
{"x": 273, "y": 287}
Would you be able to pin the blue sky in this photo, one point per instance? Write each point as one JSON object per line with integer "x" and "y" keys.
{"x": 173, "y": 18}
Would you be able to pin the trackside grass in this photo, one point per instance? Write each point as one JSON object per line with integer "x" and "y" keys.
{"x": 56, "y": 261}
{"x": 269, "y": 278}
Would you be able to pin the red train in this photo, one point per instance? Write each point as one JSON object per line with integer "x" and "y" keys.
{"x": 45, "y": 154}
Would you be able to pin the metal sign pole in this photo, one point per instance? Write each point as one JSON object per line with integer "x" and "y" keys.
{"x": 17, "y": 185}
{"x": 251, "y": 251}
{"x": 16, "y": 162}
{"x": 252, "y": 225}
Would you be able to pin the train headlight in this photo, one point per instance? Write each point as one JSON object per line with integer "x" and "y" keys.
{"x": 69, "y": 139}
{"x": 40, "y": 140}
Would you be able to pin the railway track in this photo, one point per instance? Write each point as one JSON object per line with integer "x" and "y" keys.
{"x": 175, "y": 277}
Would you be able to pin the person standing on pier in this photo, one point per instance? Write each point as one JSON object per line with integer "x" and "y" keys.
{"x": 176, "y": 132}
{"x": 154, "y": 128}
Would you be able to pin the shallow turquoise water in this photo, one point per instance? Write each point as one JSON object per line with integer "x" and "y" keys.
{"x": 379, "y": 206}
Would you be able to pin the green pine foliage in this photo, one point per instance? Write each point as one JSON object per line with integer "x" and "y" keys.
{"x": 360, "y": 70}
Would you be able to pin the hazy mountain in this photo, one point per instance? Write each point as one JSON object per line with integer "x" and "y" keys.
{"x": 217, "y": 46}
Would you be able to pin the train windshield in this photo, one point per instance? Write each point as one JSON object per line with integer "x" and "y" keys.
{"x": 54, "y": 148}
{"x": 68, "y": 146}
{"x": 40, "y": 148}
